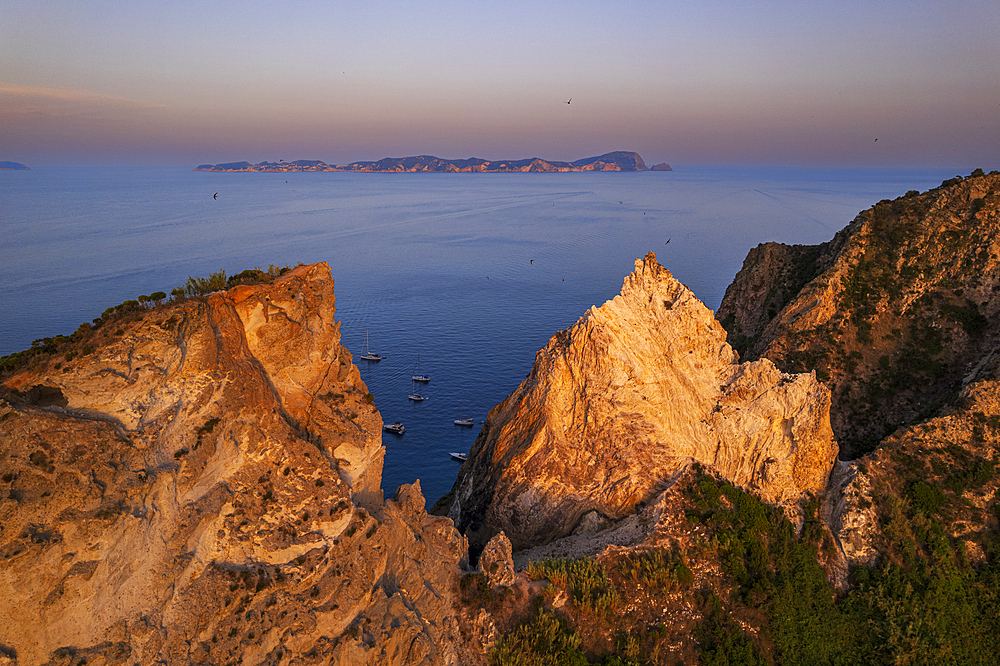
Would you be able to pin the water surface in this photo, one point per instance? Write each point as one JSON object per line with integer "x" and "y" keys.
{"x": 473, "y": 272}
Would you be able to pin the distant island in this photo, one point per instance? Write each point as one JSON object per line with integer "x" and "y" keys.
{"x": 12, "y": 166}
{"x": 618, "y": 160}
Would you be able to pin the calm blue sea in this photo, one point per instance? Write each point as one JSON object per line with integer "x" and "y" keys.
{"x": 432, "y": 264}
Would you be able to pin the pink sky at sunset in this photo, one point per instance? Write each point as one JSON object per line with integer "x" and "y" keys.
{"x": 777, "y": 83}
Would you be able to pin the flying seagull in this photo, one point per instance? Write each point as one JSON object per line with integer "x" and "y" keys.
{"x": 215, "y": 196}
{"x": 570, "y": 100}
{"x": 668, "y": 242}
{"x": 532, "y": 261}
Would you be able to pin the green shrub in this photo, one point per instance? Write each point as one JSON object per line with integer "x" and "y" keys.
{"x": 586, "y": 580}
{"x": 926, "y": 498}
{"x": 198, "y": 286}
{"x": 546, "y": 641}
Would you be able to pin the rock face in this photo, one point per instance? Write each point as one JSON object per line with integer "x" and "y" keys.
{"x": 206, "y": 490}
{"x": 619, "y": 404}
{"x": 899, "y": 310}
{"x": 496, "y": 561}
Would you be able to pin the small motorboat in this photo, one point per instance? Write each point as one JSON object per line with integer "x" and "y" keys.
{"x": 465, "y": 422}
{"x": 396, "y": 428}
{"x": 461, "y": 457}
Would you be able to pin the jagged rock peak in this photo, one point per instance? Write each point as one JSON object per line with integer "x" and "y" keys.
{"x": 621, "y": 402}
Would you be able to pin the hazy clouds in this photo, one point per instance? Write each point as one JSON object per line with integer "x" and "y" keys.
{"x": 712, "y": 82}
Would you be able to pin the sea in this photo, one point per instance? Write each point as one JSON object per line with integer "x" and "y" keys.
{"x": 470, "y": 274}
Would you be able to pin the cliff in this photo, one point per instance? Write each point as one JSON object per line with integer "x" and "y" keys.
{"x": 896, "y": 313}
{"x": 616, "y": 406}
{"x": 206, "y": 489}
{"x": 12, "y": 166}
{"x": 614, "y": 161}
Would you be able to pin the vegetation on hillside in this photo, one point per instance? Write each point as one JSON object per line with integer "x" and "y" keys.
{"x": 111, "y": 323}
{"x": 760, "y": 595}
{"x": 916, "y": 286}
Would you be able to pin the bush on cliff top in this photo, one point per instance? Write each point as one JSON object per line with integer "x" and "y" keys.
{"x": 73, "y": 345}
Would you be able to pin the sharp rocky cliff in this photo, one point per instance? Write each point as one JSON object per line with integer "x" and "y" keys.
{"x": 206, "y": 489}
{"x": 896, "y": 313}
{"x": 622, "y": 402}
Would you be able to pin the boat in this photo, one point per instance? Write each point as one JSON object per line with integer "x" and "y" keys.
{"x": 369, "y": 356}
{"x": 462, "y": 457}
{"x": 416, "y": 397}
{"x": 465, "y": 422}
{"x": 417, "y": 375}
{"x": 396, "y": 428}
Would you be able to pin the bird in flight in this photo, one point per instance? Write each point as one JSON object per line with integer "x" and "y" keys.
{"x": 570, "y": 100}
{"x": 668, "y": 242}
{"x": 215, "y": 196}
{"x": 532, "y": 261}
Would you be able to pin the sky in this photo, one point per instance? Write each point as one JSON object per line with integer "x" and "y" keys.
{"x": 878, "y": 83}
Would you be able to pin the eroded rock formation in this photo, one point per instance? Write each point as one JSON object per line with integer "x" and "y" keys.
{"x": 207, "y": 490}
{"x": 617, "y": 405}
{"x": 896, "y": 313}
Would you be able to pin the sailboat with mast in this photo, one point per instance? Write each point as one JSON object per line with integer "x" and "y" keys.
{"x": 418, "y": 376}
{"x": 368, "y": 355}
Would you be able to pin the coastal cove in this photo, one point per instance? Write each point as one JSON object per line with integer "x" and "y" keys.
{"x": 472, "y": 272}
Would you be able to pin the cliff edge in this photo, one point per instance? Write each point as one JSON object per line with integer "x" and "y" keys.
{"x": 206, "y": 489}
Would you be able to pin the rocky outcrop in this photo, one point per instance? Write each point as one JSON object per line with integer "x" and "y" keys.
{"x": 496, "y": 561}
{"x": 897, "y": 312}
{"x": 616, "y": 406}
{"x": 662, "y": 166}
{"x": 207, "y": 490}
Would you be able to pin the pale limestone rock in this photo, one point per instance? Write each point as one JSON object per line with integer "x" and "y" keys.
{"x": 496, "y": 561}
{"x": 207, "y": 488}
{"x": 853, "y": 517}
{"x": 617, "y": 404}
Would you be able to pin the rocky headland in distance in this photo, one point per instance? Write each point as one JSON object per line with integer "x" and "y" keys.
{"x": 12, "y": 166}
{"x": 619, "y": 160}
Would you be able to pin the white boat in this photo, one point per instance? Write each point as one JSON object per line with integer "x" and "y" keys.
{"x": 369, "y": 356}
{"x": 417, "y": 375}
{"x": 416, "y": 397}
{"x": 465, "y": 422}
{"x": 460, "y": 456}
{"x": 396, "y": 428}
